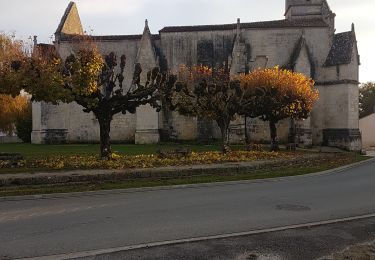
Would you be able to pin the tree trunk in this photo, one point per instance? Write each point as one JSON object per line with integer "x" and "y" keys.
{"x": 224, "y": 128}
{"x": 248, "y": 143}
{"x": 105, "y": 140}
{"x": 292, "y": 136}
{"x": 274, "y": 140}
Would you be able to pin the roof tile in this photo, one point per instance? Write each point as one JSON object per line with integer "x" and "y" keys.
{"x": 341, "y": 50}
{"x": 255, "y": 25}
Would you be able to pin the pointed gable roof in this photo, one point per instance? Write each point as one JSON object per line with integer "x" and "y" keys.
{"x": 146, "y": 52}
{"x": 70, "y": 22}
{"x": 342, "y": 49}
{"x": 146, "y": 55}
{"x": 298, "y": 48}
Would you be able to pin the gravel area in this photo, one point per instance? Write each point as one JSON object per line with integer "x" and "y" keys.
{"x": 342, "y": 241}
{"x": 364, "y": 251}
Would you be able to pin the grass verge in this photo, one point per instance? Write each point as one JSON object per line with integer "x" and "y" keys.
{"x": 41, "y": 151}
{"x": 302, "y": 168}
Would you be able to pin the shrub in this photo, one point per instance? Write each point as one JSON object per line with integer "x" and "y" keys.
{"x": 24, "y": 126}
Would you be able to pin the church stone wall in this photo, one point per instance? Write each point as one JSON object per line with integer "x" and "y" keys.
{"x": 83, "y": 127}
{"x": 318, "y": 116}
{"x": 185, "y": 127}
{"x": 333, "y": 121}
{"x": 259, "y": 130}
{"x": 182, "y": 48}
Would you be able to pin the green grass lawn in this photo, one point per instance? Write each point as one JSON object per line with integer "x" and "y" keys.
{"x": 38, "y": 151}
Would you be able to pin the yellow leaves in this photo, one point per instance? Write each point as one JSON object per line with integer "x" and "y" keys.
{"x": 120, "y": 161}
{"x": 115, "y": 156}
{"x": 11, "y": 109}
{"x": 43, "y": 74}
{"x": 289, "y": 94}
{"x": 87, "y": 68}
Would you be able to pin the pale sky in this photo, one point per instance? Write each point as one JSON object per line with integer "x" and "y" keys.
{"x": 107, "y": 17}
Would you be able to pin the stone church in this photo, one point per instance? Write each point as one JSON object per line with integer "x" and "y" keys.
{"x": 305, "y": 41}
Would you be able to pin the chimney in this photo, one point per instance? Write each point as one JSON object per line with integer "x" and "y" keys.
{"x": 35, "y": 40}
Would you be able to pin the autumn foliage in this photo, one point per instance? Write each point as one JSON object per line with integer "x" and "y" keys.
{"x": 87, "y": 77}
{"x": 121, "y": 161}
{"x": 366, "y": 99}
{"x": 209, "y": 94}
{"x": 12, "y": 109}
{"x": 275, "y": 94}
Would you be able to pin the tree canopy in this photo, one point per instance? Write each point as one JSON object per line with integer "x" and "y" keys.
{"x": 274, "y": 94}
{"x": 209, "y": 94}
{"x": 366, "y": 99}
{"x": 11, "y": 109}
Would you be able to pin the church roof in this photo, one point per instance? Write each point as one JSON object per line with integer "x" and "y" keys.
{"x": 65, "y": 17}
{"x": 316, "y": 22}
{"x": 342, "y": 49}
{"x": 111, "y": 37}
{"x": 70, "y": 22}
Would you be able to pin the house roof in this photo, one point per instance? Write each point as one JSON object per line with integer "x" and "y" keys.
{"x": 316, "y": 22}
{"x": 342, "y": 49}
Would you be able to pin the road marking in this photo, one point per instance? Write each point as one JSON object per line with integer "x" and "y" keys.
{"x": 197, "y": 239}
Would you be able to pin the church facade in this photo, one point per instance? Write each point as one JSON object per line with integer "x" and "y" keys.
{"x": 305, "y": 41}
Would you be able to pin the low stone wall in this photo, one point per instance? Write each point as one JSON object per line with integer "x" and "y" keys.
{"x": 348, "y": 139}
{"x": 9, "y": 139}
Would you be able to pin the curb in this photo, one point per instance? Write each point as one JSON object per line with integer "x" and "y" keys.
{"x": 185, "y": 186}
{"x": 99, "y": 252}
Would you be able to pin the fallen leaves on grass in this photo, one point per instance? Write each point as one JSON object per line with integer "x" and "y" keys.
{"x": 120, "y": 161}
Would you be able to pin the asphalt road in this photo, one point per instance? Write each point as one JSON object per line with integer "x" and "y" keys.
{"x": 37, "y": 227}
{"x": 317, "y": 243}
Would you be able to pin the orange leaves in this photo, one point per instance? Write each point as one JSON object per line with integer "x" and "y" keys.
{"x": 206, "y": 92}
{"x": 11, "y": 109}
{"x": 43, "y": 74}
{"x": 276, "y": 94}
{"x": 11, "y": 58}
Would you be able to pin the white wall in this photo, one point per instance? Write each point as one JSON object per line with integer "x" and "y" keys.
{"x": 367, "y": 126}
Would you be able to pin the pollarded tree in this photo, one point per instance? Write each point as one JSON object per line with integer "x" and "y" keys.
{"x": 366, "y": 99}
{"x": 275, "y": 94}
{"x": 209, "y": 94}
{"x": 87, "y": 78}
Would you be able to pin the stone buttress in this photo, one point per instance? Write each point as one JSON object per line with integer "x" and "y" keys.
{"x": 305, "y": 41}
{"x": 147, "y": 130}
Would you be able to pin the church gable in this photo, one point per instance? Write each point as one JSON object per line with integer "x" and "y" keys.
{"x": 70, "y": 23}
{"x": 301, "y": 59}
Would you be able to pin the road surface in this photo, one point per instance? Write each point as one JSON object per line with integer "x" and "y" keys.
{"x": 65, "y": 224}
